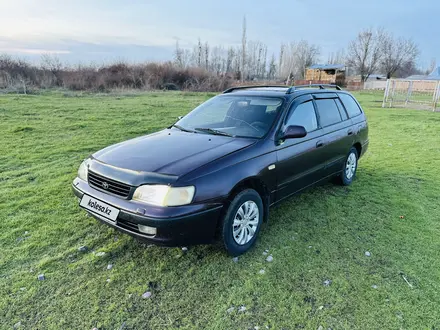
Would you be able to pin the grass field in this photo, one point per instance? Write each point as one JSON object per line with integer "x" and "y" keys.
{"x": 320, "y": 235}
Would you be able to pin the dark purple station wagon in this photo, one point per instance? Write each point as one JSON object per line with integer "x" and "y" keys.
{"x": 214, "y": 174}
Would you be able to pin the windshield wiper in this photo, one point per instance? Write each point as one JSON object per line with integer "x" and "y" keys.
{"x": 182, "y": 128}
{"x": 212, "y": 131}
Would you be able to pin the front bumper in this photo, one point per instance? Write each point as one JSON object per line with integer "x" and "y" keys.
{"x": 176, "y": 226}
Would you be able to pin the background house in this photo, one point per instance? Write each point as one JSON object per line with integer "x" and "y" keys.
{"x": 376, "y": 77}
{"x": 434, "y": 75}
{"x": 375, "y": 81}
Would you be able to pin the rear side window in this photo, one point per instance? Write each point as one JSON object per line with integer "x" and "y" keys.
{"x": 341, "y": 109}
{"x": 304, "y": 115}
{"x": 350, "y": 104}
{"x": 328, "y": 112}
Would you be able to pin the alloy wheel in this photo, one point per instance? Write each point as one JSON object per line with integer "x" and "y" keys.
{"x": 245, "y": 222}
{"x": 350, "y": 165}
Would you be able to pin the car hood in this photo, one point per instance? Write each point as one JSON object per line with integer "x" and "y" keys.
{"x": 170, "y": 151}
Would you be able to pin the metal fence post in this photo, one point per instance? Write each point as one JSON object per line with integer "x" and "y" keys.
{"x": 392, "y": 93}
{"x": 385, "y": 96}
{"x": 409, "y": 92}
{"x": 436, "y": 95}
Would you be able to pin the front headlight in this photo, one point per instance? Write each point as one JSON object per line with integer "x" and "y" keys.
{"x": 161, "y": 195}
{"x": 82, "y": 171}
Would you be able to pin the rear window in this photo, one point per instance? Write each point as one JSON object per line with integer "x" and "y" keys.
{"x": 350, "y": 104}
{"x": 328, "y": 112}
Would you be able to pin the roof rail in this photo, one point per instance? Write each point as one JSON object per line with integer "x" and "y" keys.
{"x": 320, "y": 86}
{"x": 252, "y": 86}
{"x": 290, "y": 89}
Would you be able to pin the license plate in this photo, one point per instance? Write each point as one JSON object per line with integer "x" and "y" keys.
{"x": 98, "y": 207}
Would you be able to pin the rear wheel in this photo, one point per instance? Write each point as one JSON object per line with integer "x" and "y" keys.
{"x": 350, "y": 166}
{"x": 242, "y": 222}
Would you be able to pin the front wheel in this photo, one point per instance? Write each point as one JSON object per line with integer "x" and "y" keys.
{"x": 242, "y": 222}
{"x": 350, "y": 166}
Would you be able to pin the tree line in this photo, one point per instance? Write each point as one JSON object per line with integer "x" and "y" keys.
{"x": 251, "y": 60}
{"x": 213, "y": 68}
{"x": 371, "y": 51}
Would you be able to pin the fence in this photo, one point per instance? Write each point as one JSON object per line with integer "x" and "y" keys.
{"x": 412, "y": 93}
{"x": 375, "y": 84}
{"x": 312, "y": 82}
{"x": 353, "y": 85}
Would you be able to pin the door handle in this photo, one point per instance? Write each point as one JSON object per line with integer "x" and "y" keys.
{"x": 319, "y": 144}
{"x": 350, "y": 132}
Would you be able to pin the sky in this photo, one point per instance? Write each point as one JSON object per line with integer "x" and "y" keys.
{"x": 100, "y": 31}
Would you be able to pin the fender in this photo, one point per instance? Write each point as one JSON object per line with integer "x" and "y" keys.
{"x": 226, "y": 179}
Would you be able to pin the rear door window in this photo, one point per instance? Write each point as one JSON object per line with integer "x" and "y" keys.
{"x": 328, "y": 112}
{"x": 350, "y": 104}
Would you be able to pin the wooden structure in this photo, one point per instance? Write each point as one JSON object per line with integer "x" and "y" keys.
{"x": 327, "y": 73}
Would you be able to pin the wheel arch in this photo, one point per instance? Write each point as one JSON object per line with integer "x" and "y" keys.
{"x": 358, "y": 148}
{"x": 259, "y": 186}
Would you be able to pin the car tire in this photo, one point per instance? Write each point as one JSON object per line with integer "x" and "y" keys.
{"x": 350, "y": 167}
{"x": 242, "y": 222}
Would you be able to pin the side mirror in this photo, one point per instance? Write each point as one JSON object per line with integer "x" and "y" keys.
{"x": 293, "y": 132}
{"x": 180, "y": 117}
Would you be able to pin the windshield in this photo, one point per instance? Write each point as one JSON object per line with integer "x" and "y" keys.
{"x": 241, "y": 116}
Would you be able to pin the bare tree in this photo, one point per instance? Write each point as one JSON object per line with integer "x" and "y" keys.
{"x": 408, "y": 69}
{"x": 24, "y": 82}
{"x": 281, "y": 59}
{"x": 16, "y": 73}
{"x": 54, "y": 65}
{"x": 297, "y": 56}
{"x": 243, "y": 50}
{"x": 218, "y": 60}
{"x": 178, "y": 55}
{"x": 262, "y": 60}
{"x": 199, "y": 54}
{"x": 230, "y": 59}
{"x": 236, "y": 64}
{"x": 272, "y": 68}
{"x": 432, "y": 66}
{"x": 396, "y": 52}
{"x": 206, "y": 55}
{"x": 337, "y": 58}
{"x": 307, "y": 54}
{"x": 252, "y": 59}
{"x": 287, "y": 61}
{"x": 364, "y": 53}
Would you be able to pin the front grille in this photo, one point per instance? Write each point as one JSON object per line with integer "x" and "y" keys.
{"x": 108, "y": 185}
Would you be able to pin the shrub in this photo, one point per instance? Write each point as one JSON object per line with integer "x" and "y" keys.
{"x": 16, "y": 74}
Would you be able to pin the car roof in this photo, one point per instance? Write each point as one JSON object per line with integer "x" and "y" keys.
{"x": 282, "y": 91}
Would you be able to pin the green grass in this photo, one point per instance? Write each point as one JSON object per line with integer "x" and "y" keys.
{"x": 318, "y": 235}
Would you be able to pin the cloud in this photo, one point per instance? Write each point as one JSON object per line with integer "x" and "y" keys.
{"x": 151, "y": 28}
{"x": 74, "y": 51}
{"x": 33, "y": 51}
